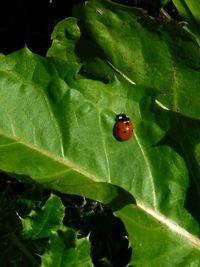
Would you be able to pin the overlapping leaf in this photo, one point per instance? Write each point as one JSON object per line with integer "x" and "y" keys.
{"x": 155, "y": 243}
{"x": 63, "y": 248}
{"x": 149, "y": 52}
{"x": 57, "y": 115}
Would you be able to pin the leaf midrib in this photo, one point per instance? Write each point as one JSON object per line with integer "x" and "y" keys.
{"x": 63, "y": 161}
{"x": 171, "y": 225}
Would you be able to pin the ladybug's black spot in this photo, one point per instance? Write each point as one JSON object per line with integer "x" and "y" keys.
{"x": 118, "y": 129}
{"x": 124, "y": 131}
{"x": 132, "y": 130}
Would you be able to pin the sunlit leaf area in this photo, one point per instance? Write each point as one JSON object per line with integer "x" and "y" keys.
{"x": 100, "y": 134}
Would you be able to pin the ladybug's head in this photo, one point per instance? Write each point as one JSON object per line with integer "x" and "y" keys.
{"x": 122, "y": 117}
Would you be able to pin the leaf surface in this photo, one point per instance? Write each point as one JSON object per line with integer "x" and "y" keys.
{"x": 63, "y": 253}
{"x": 159, "y": 55}
{"x": 57, "y": 113}
{"x": 158, "y": 244}
{"x": 189, "y": 10}
{"x": 39, "y": 224}
{"x": 63, "y": 248}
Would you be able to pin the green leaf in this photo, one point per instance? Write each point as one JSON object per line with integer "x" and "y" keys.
{"x": 57, "y": 114}
{"x": 64, "y": 41}
{"x": 164, "y": 2}
{"x": 51, "y": 148}
{"x": 59, "y": 154}
{"x": 190, "y": 12}
{"x": 14, "y": 250}
{"x": 183, "y": 134}
{"x": 157, "y": 241}
{"x": 39, "y": 224}
{"x": 65, "y": 250}
{"x": 161, "y": 56}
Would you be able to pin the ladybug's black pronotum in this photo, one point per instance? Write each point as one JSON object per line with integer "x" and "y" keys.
{"x": 123, "y": 128}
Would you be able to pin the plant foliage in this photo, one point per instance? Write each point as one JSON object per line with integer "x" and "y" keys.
{"x": 56, "y": 131}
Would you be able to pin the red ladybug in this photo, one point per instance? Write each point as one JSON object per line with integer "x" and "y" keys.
{"x": 123, "y": 128}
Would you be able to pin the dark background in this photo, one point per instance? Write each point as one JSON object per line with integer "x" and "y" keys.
{"x": 25, "y": 22}
{"x": 30, "y": 23}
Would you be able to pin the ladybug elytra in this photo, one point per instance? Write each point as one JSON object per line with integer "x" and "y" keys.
{"x": 123, "y": 128}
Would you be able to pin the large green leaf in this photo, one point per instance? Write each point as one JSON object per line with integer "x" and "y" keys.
{"x": 183, "y": 134}
{"x": 158, "y": 242}
{"x": 57, "y": 115}
{"x": 49, "y": 133}
{"x": 158, "y": 55}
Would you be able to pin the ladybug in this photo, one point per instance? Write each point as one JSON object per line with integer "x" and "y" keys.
{"x": 123, "y": 128}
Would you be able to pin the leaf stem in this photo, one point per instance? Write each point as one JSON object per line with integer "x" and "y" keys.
{"x": 21, "y": 246}
{"x": 120, "y": 73}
